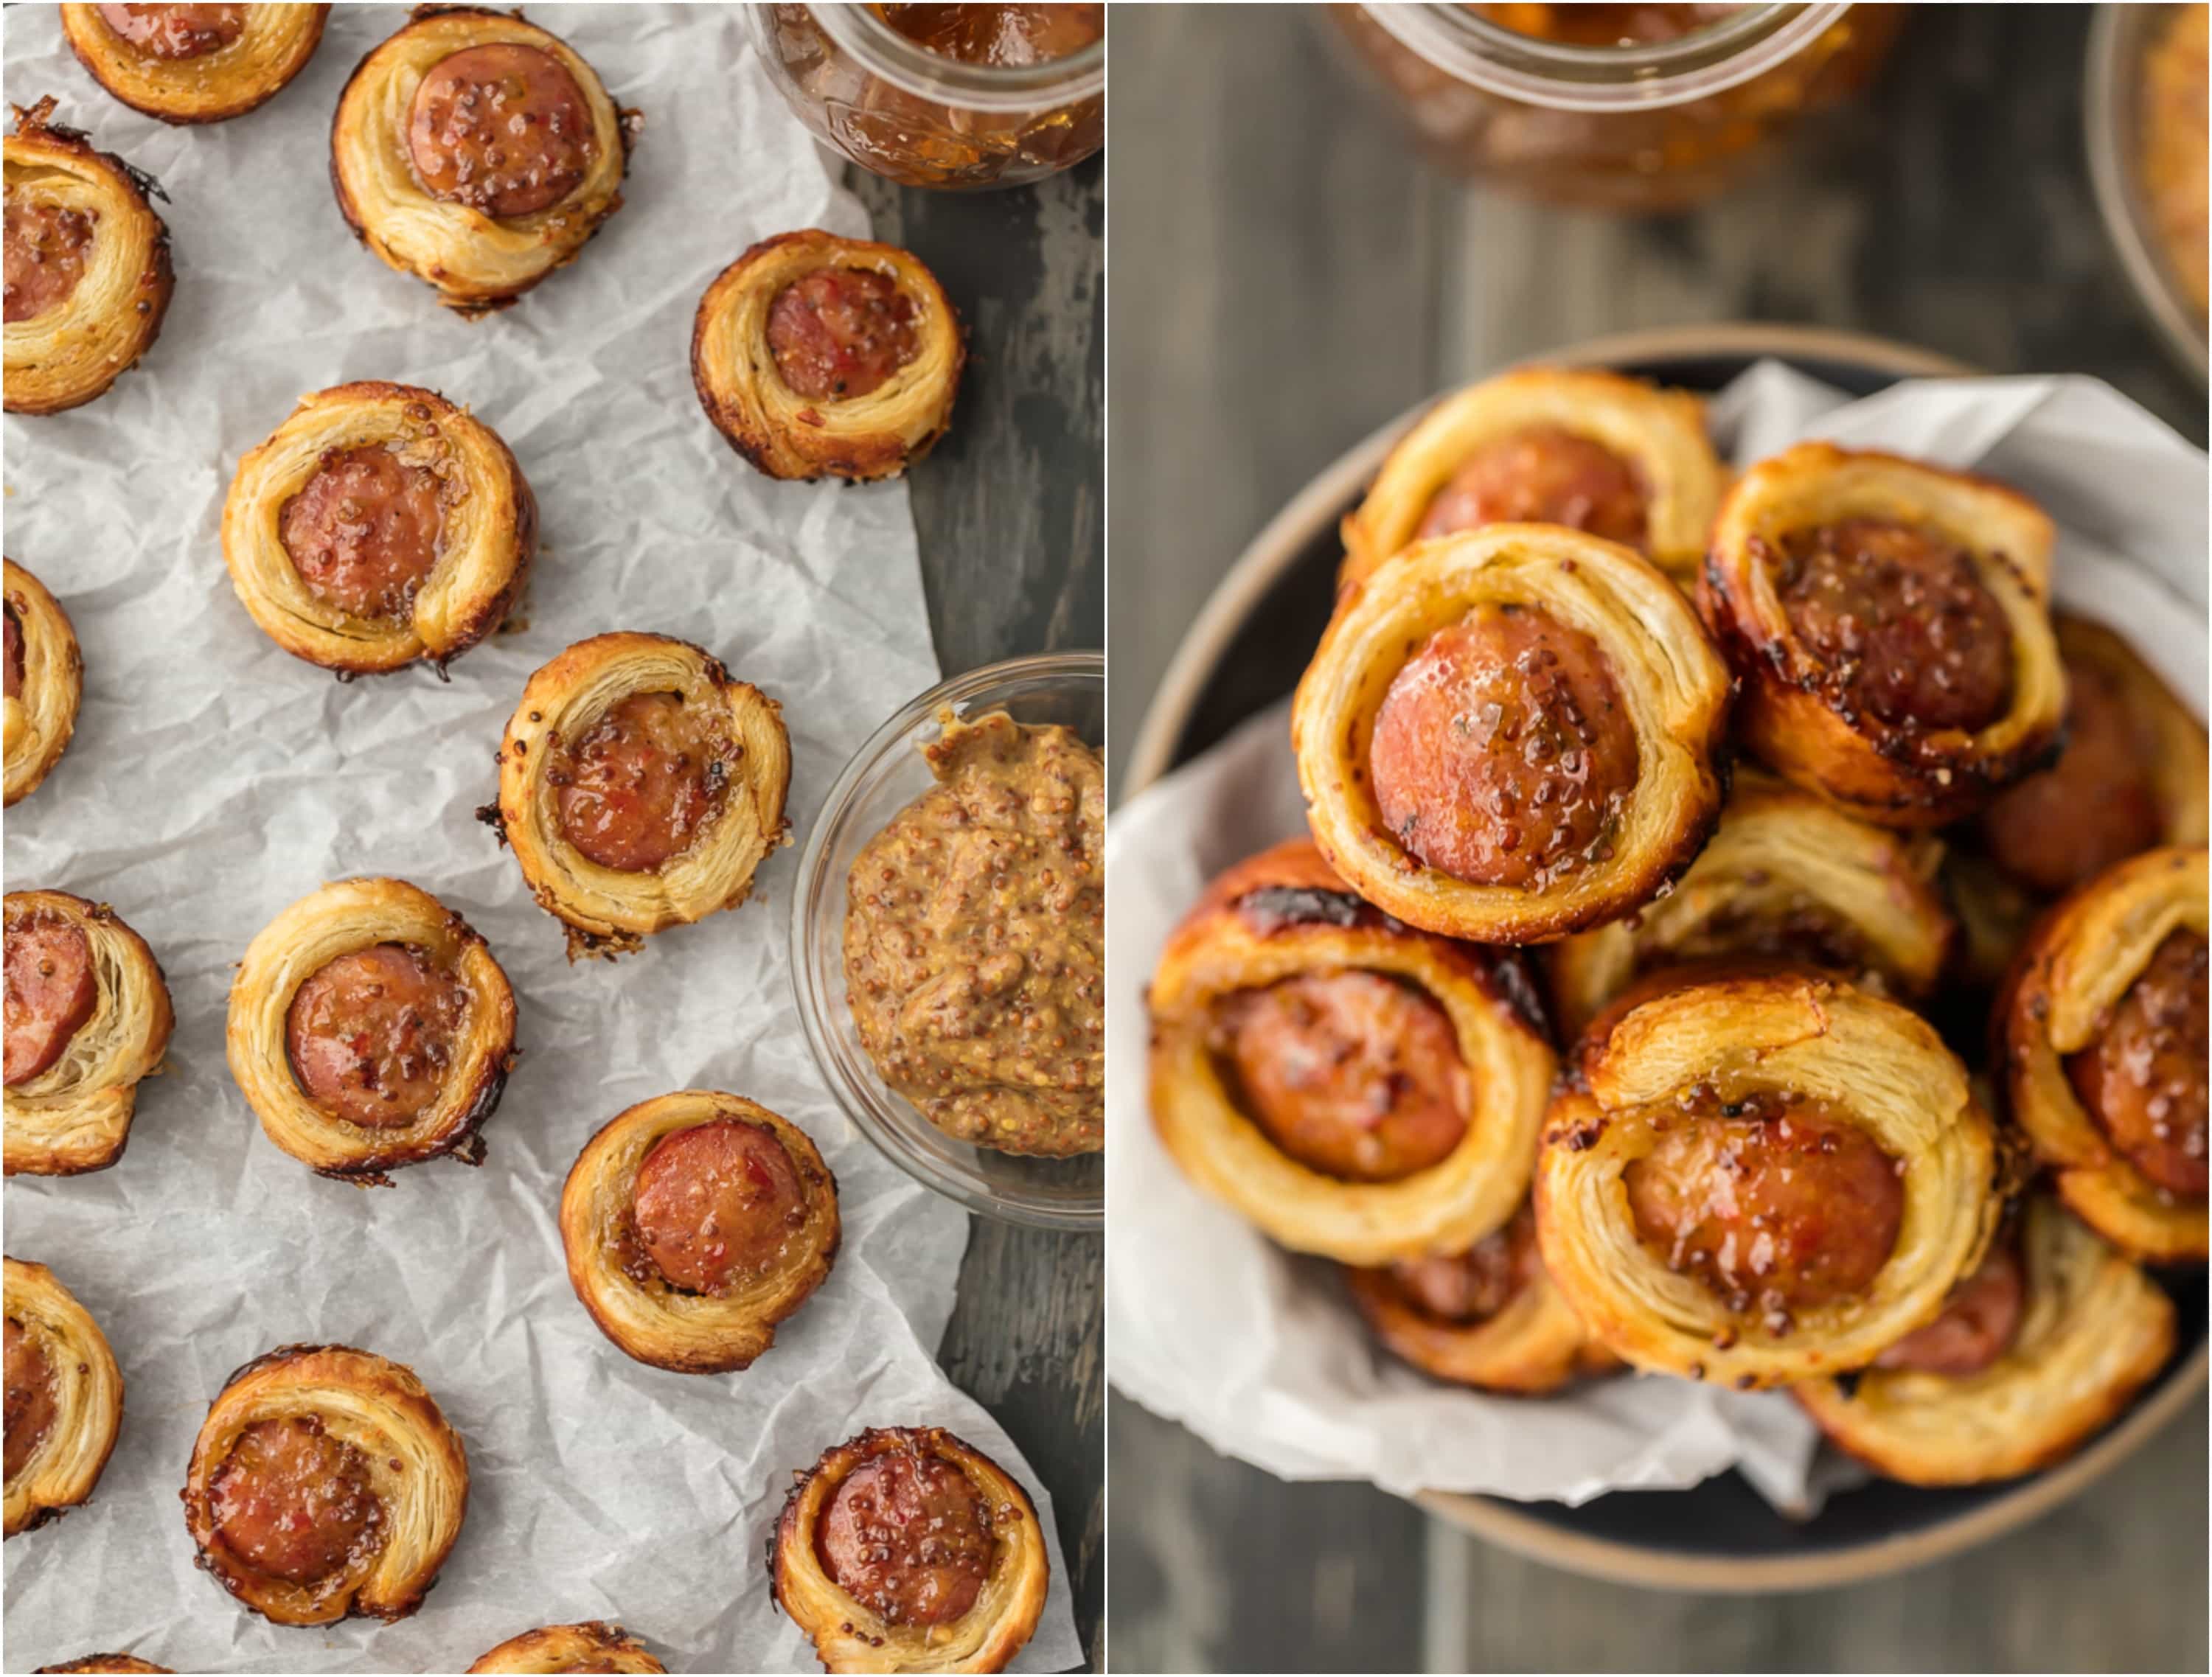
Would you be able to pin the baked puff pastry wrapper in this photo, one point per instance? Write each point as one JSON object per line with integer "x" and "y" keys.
{"x": 1787, "y": 713}
{"x": 107, "y": 1663}
{"x": 1672, "y": 681}
{"x": 594, "y": 1646}
{"x": 477, "y": 263}
{"x": 1661, "y": 433}
{"x": 274, "y": 47}
{"x": 416, "y": 1466}
{"x": 41, "y": 718}
{"x": 1535, "y": 1345}
{"x": 606, "y": 910}
{"x": 338, "y": 919}
{"x": 685, "y": 1332}
{"x": 72, "y": 352}
{"x": 1785, "y": 1031}
{"x": 74, "y": 1116}
{"x": 1284, "y": 912}
{"x": 66, "y": 1463}
{"x": 488, "y": 538}
{"x": 2077, "y": 963}
{"x": 847, "y": 1637}
{"x": 2093, "y": 1330}
{"x": 786, "y": 435}
{"x": 1778, "y": 851}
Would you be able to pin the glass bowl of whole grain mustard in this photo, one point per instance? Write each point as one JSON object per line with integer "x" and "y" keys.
{"x": 948, "y": 939}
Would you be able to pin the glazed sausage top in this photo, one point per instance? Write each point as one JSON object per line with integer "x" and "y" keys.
{"x": 1543, "y": 475}
{"x": 908, "y": 1537}
{"x": 13, "y": 664}
{"x": 31, "y": 1404}
{"x": 1005, "y": 32}
{"x": 363, "y": 532}
{"x": 1355, "y": 1074}
{"x": 1479, "y": 1283}
{"x": 371, "y": 1034}
{"x": 501, "y": 128}
{"x": 46, "y": 246}
{"x": 175, "y": 32}
{"x": 1502, "y": 750}
{"x": 643, "y": 782}
{"x": 2144, "y": 1075}
{"x": 1977, "y": 1325}
{"x": 715, "y": 1204}
{"x": 293, "y": 1502}
{"x": 51, "y": 990}
{"x": 838, "y": 333}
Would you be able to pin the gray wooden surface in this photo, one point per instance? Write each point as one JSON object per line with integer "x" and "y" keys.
{"x": 1285, "y": 278}
{"x": 1009, "y": 511}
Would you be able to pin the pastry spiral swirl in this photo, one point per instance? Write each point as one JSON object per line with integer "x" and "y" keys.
{"x": 371, "y": 1028}
{"x": 2093, "y": 1330}
{"x": 2102, "y": 1025}
{"x": 594, "y": 1645}
{"x": 98, "y": 278}
{"x": 781, "y": 370}
{"x": 326, "y": 1483}
{"x": 611, "y": 866}
{"x": 64, "y": 1399}
{"x": 187, "y": 73}
{"x": 88, "y": 1016}
{"x": 488, "y": 227}
{"x": 1599, "y": 785}
{"x": 1282, "y": 927}
{"x": 1616, "y": 456}
{"x": 45, "y": 681}
{"x": 693, "y": 1223}
{"x": 1889, "y": 623}
{"x": 1807, "y": 1093}
{"x": 906, "y": 1549}
{"x": 453, "y": 527}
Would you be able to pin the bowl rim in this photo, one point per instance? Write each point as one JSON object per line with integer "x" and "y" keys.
{"x": 1256, "y": 570}
{"x": 808, "y": 980}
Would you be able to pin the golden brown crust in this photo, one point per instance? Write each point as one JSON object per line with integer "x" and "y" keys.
{"x": 2079, "y": 961}
{"x": 1784, "y": 1031}
{"x": 847, "y": 1636}
{"x": 338, "y": 919}
{"x": 685, "y": 1332}
{"x": 414, "y": 1462}
{"x": 1284, "y": 912}
{"x": 72, "y": 352}
{"x": 1674, "y": 687}
{"x": 607, "y": 911}
{"x": 489, "y": 536}
{"x": 65, "y": 1464}
{"x": 2094, "y": 1331}
{"x": 475, "y": 262}
{"x": 1778, "y": 853}
{"x": 1791, "y": 710}
{"x": 274, "y": 46}
{"x": 41, "y": 718}
{"x": 107, "y": 1663}
{"x": 1535, "y": 1345}
{"x": 594, "y": 1645}
{"x": 1659, "y": 432}
{"x": 74, "y": 1116}
{"x": 786, "y": 435}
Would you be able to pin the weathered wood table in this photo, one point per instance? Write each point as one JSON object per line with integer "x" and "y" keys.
{"x": 1285, "y": 279}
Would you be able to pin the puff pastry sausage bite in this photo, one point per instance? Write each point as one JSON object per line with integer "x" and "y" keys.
{"x": 817, "y": 357}
{"x": 64, "y": 1399}
{"x": 2042, "y": 1348}
{"x": 1760, "y": 1178}
{"x": 380, "y": 525}
{"x": 1512, "y": 733}
{"x": 1889, "y": 623}
{"x": 1354, "y": 1087}
{"x": 88, "y": 1016}
{"x": 87, "y": 265}
{"x": 107, "y": 1663}
{"x": 326, "y": 1483}
{"x": 694, "y": 1223}
{"x": 477, "y": 152}
{"x": 44, "y": 681}
{"x": 640, "y": 787}
{"x": 1616, "y": 457}
{"x": 594, "y": 1646}
{"x": 2103, "y": 1022}
{"x": 906, "y": 1549}
{"x": 1785, "y": 876}
{"x": 193, "y": 63}
{"x": 370, "y": 1027}
{"x": 1488, "y": 1316}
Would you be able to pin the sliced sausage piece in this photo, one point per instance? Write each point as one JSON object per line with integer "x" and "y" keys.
{"x": 908, "y": 1537}
{"x": 501, "y": 128}
{"x": 840, "y": 332}
{"x": 363, "y": 531}
{"x": 32, "y": 1404}
{"x": 175, "y": 33}
{"x": 293, "y": 1502}
{"x": 1543, "y": 475}
{"x": 715, "y": 1204}
{"x": 1977, "y": 1322}
{"x": 643, "y": 782}
{"x": 371, "y": 1034}
{"x": 46, "y": 248}
{"x": 15, "y": 662}
{"x": 2143, "y": 1077}
{"x": 1480, "y": 1282}
{"x": 52, "y": 988}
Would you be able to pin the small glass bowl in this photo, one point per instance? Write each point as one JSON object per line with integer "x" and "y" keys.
{"x": 884, "y": 776}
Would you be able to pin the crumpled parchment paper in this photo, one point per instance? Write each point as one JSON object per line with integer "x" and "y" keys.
{"x": 1261, "y": 1352}
{"x": 213, "y": 780}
